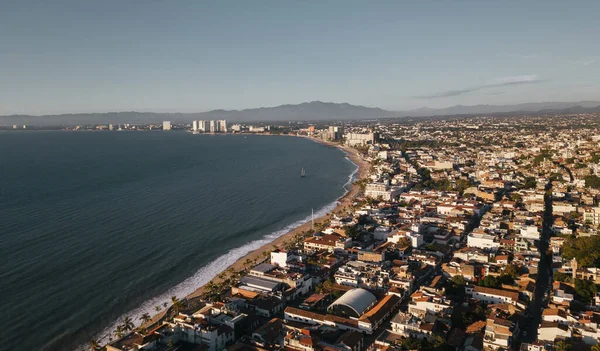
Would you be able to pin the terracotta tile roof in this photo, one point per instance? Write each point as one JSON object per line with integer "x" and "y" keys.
{"x": 476, "y": 327}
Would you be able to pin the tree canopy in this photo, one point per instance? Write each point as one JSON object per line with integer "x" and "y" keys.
{"x": 585, "y": 249}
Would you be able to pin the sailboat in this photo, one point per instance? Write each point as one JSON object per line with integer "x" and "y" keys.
{"x": 302, "y": 173}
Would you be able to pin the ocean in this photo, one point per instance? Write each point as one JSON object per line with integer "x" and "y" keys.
{"x": 98, "y": 225}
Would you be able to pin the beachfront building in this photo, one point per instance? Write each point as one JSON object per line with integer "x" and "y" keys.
{"x": 328, "y": 242}
{"x": 285, "y": 259}
{"x": 222, "y": 126}
{"x": 167, "y": 125}
{"x": 202, "y": 126}
{"x": 357, "y": 139}
{"x": 300, "y": 282}
{"x": 382, "y": 190}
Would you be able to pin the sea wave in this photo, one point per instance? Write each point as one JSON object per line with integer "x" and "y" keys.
{"x": 208, "y": 272}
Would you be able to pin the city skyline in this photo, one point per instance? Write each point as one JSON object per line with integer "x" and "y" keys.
{"x": 69, "y": 57}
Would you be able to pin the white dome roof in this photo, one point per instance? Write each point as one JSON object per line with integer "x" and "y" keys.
{"x": 356, "y": 299}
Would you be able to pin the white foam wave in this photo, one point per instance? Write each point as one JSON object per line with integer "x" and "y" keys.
{"x": 208, "y": 272}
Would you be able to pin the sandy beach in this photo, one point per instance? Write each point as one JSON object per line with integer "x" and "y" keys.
{"x": 344, "y": 201}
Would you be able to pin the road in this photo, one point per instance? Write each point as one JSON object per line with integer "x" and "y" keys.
{"x": 544, "y": 276}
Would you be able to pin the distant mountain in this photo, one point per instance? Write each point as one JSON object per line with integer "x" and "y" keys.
{"x": 315, "y": 110}
{"x": 308, "y": 111}
{"x": 493, "y": 109}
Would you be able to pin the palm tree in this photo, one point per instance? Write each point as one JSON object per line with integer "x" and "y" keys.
{"x": 177, "y": 305}
{"x": 128, "y": 324}
{"x": 146, "y": 318}
{"x": 596, "y": 347}
{"x": 157, "y": 308}
{"x": 119, "y": 332}
{"x": 247, "y": 263}
{"x": 211, "y": 286}
{"x": 562, "y": 346}
{"x": 94, "y": 345}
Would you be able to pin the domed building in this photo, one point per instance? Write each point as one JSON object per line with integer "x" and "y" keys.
{"x": 353, "y": 304}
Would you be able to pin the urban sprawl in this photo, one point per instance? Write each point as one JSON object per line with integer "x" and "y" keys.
{"x": 466, "y": 233}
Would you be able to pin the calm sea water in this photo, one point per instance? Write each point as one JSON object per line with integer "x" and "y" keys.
{"x": 97, "y": 225}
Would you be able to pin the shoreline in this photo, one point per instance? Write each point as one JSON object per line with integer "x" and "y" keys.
{"x": 344, "y": 201}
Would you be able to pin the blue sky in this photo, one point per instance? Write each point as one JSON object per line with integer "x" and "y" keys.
{"x": 188, "y": 56}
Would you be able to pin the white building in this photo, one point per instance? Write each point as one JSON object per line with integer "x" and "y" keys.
{"x": 353, "y": 139}
{"x": 491, "y": 295}
{"x": 222, "y": 126}
{"x": 284, "y": 258}
{"x": 213, "y": 126}
{"x": 202, "y": 126}
{"x": 383, "y": 190}
{"x": 194, "y": 125}
{"x": 483, "y": 241}
{"x": 254, "y": 129}
{"x": 530, "y": 232}
{"x": 167, "y": 125}
{"x": 416, "y": 239}
{"x": 592, "y": 215}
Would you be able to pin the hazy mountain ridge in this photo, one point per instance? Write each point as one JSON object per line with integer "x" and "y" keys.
{"x": 309, "y": 111}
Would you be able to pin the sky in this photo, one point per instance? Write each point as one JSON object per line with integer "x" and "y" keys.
{"x": 73, "y": 56}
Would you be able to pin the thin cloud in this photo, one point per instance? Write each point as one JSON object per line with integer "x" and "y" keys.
{"x": 584, "y": 62}
{"x": 522, "y": 56}
{"x": 500, "y": 82}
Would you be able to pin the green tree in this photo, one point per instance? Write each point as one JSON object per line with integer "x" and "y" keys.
{"x": 146, "y": 318}
{"x": 489, "y": 281}
{"x": 128, "y": 324}
{"x": 177, "y": 304}
{"x": 352, "y": 231}
{"x": 119, "y": 331}
{"x": 512, "y": 271}
{"x": 530, "y": 183}
{"x": 585, "y": 249}
{"x": 94, "y": 345}
{"x": 563, "y": 277}
{"x": 562, "y": 346}
{"x": 459, "y": 280}
{"x": 592, "y": 181}
{"x": 585, "y": 289}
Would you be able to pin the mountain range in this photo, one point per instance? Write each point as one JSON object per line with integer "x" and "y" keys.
{"x": 307, "y": 111}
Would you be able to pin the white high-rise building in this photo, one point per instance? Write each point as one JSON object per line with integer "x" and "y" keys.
{"x": 223, "y": 126}
{"x": 110, "y": 127}
{"x": 194, "y": 125}
{"x": 202, "y": 126}
{"x": 213, "y": 127}
{"x": 167, "y": 125}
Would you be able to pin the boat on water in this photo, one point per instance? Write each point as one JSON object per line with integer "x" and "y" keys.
{"x": 302, "y": 173}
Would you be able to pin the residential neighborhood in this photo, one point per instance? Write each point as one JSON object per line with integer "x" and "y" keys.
{"x": 467, "y": 233}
